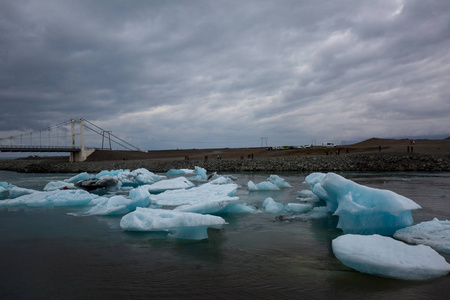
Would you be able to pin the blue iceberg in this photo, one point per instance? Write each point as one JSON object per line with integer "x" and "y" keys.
{"x": 361, "y": 209}
{"x": 383, "y": 256}
{"x": 182, "y": 225}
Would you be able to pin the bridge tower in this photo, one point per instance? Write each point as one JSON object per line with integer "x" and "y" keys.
{"x": 83, "y": 153}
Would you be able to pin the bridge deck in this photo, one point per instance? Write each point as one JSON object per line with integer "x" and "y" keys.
{"x": 38, "y": 149}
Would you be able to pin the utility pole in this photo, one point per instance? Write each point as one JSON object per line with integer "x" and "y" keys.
{"x": 263, "y": 140}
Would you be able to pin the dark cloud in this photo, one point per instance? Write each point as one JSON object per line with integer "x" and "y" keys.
{"x": 175, "y": 74}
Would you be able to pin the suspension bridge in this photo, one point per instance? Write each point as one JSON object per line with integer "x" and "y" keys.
{"x": 63, "y": 137}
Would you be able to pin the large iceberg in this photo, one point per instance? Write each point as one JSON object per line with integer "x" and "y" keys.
{"x": 386, "y": 257}
{"x": 361, "y": 209}
{"x": 183, "y": 225}
{"x": 52, "y": 198}
{"x": 435, "y": 234}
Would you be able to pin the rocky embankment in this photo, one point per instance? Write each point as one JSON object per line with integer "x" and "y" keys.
{"x": 360, "y": 162}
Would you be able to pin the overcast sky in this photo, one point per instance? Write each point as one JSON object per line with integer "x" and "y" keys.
{"x": 210, "y": 74}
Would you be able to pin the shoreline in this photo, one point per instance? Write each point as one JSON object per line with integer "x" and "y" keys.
{"x": 394, "y": 162}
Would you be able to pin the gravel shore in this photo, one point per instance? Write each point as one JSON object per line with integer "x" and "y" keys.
{"x": 322, "y": 163}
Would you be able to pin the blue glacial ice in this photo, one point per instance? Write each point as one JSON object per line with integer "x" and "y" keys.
{"x": 118, "y": 205}
{"x": 138, "y": 177}
{"x": 180, "y": 172}
{"x": 273, "y": 207}
{"x": 79, "y": 177}
{"x": 273, "y": 183}
{"x": 361, "y": 209}
{"x": 386, "y": 257}
{"x": 182, "y": 225}
{"x": 52, "y": 198}
{"x": 58, "y": 185}
{"x": 435, "y": 234}
{"x": 10, "y": 191}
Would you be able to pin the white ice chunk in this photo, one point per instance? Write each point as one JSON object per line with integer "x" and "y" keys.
{"x": 111, "y": 173}
{"x": 117, "y": 205}
{"x": 435, "y": 234}
{"x": 386, "y": 257}
{"x": 138, "y": 177}
{"x": 362, "y": 209}
{"x": 58, "y": 185}
{"x": 306, "y": 194}
{"x": 10, "y": 191}
{"x": 183, "y": 225}
{"x": 262, "y": 186}
{"x": 194, "y": 195}
{"x": 180, "y": 172}
{"x": 201, "y": 174}
{"x": 52, "y": 198}
{"x": 279, "y": 182}
{"x": 169, "y": 184}
{"x": 215, "y": 205}
{"x": 273, "y": 207}
{"x": 79, "y": 177}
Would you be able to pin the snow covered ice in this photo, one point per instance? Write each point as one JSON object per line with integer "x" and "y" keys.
{"x": 435, "y": 234}
{"x": 183, "y": 225}
{"x": 386, "y": 257}
{"x": 361, "y": 209}
{"x": 169, "y": 184}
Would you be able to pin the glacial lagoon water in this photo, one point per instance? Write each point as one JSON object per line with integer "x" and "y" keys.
{"x": 47, "y": 254}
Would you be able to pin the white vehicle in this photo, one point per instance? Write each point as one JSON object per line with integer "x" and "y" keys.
{"x": 328, "y": 145}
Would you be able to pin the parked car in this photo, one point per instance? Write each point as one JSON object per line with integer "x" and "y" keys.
{"x": 328, "y": 145}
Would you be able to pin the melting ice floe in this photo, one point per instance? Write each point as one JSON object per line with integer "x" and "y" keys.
{"x": 52, "y": 198}
{"x": 169, "y": 184}
{"x": 362, "y": 209}
{"x": 273, "y": 207}
{"x": 184, "y": 225}
{"x": 435, "y": 234}
{"x": 273, "y": 183}
{"x": 117, "y": 205}
{"x": 386, "y": 257}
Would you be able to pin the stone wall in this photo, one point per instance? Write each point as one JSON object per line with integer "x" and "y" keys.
{"x": 362, "y": 162}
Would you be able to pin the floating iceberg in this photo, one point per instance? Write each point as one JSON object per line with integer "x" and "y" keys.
{"x": 273, "y": 183}
{"x": 279, "y": 182}
{"x": 183, "y": 225}
{"x": 52, "y": 198}
{"x": 169, "y": 184}
{"x": 386, "y": 257}
{"x": 307, "y": 196}
{"x": 217, "y": 205}
{"x": 117, "y": 205}
{"x": 361, "y": 209}
{"x": 58, "y": 185}
{"x": 262, "y": 186}
{"x": 435, "y": 234}
{"x": 273, "y": 207}
{"x": 10, "y": 191}
{"x": 201, "y": 174}
{"x": 180, "y": 172}
{"x": 195, "y": 195}
{"x": 138, "y": 177}
{"x": 78, "y": 177}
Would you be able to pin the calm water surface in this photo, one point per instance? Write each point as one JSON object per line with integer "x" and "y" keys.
{"x": 47, "y": 254}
